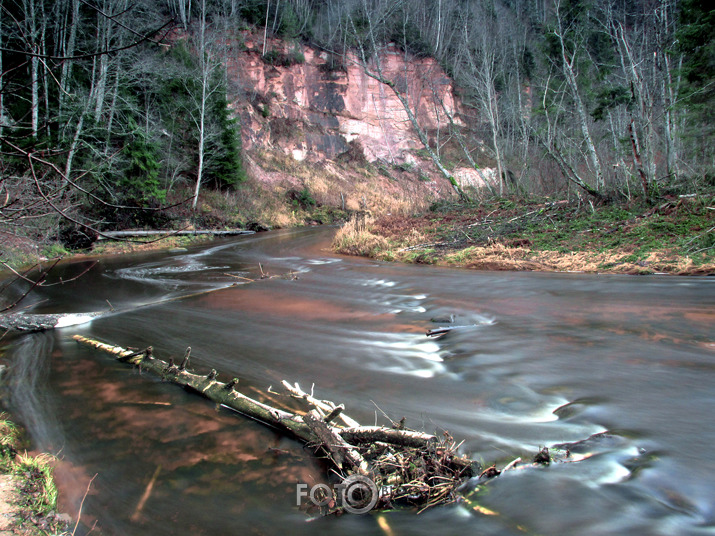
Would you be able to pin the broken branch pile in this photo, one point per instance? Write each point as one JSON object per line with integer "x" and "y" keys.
{"x": 406, "y": 466}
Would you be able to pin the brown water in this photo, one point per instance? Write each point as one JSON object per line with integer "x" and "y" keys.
{"x": 545, "y": 359}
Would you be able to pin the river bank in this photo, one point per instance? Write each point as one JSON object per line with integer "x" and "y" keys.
{"x": 28, "y": 495}
{"x": 528, "y": 364}
{"x": 674, "y": 236}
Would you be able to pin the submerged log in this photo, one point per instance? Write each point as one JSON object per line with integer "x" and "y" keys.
{"x": 442, "y": 330}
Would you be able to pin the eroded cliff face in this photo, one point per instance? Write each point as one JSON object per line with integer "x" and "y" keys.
{"x": 316, "y": 109}
{"x": 317, "y": 122}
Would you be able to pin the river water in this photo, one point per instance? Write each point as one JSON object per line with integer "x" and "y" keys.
{"x": 541, "y": 359}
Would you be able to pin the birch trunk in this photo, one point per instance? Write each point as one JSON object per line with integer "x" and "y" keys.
{"x": 67, "y": 50}
{"x": 104, "y": 41}
{"x": 2, "y": 82}
{"x": 73, "y": 145}
{"x": 205, "y": 76}
{"x": 669, "y": 90}
{"x": 30, "y": 37}
{"x": 567, "y": 65}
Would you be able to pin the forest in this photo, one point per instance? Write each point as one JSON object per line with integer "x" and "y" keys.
{"x": 112, "y": 110}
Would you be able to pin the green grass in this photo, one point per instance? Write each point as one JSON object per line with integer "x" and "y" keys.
{"x": 9, "y": 442}
{"x": 35, "y": 485}
{"x": 38, "y": 489}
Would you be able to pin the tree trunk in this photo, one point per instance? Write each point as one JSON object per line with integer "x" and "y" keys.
{"x": 398, "y": 463}
{"x": 205, "y": 63}
{"x": 104, "y": 40}
{"x": 669, "y": 90}
{"x": 225, "y": 393}
{"x": 129, "y": 234}
{"x": 75, "y": 141}
{"x": 67, "y": 50}
{"x": 2, "y": 82}
{"x": 30, "y": 38}
{"x": 567, "y": 65}
{"x": 637, "y": 159}
{"x": 265, "y": 27}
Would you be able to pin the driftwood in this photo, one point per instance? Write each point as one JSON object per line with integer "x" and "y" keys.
{"x": 403, "y": 466}
{"x": 341, "y": 452}
{"x": 32, "y": 322}
{"x": 130, "y": 234}
{"x": 442, "y": 330}
{"x": 325, "y": 406}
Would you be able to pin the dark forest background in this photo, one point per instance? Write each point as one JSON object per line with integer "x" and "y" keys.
{"x": 111, "y": 105}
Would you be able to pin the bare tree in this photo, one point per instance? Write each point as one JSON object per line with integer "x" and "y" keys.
{"x": 371, "y": 64}
{"x": 208, "y": 66}
{"x": 182, "y": 8}
{"x": 569, "y": 54}
{"x": 39, "y": 184}
{"x": 483, "y": 55}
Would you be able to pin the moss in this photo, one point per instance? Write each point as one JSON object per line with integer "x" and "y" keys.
{"x": 54, "y": 250}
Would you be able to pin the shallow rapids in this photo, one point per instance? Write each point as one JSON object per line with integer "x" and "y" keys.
{"x": 539, "y": 359}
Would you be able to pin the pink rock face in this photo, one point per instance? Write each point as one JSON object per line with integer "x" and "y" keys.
{"x": 313, "y": 111}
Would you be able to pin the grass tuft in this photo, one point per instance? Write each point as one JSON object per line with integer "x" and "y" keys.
{"x": 34, "y": 497}
{"x": 353, "y": 238}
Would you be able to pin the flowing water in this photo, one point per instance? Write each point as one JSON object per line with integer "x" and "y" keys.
{"x": 541, "y": 359}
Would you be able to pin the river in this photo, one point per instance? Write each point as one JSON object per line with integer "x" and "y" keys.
{"x": 541, "y": 359}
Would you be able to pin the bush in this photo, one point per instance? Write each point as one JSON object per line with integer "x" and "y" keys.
{"x": 280, "y": 59}
{"x": 302, "y": 199}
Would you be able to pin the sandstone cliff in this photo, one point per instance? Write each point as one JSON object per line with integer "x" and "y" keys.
{"x": 303, "y": 110}
{"x": 335, "y": 102}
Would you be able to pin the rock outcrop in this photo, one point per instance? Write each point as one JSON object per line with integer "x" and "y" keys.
{"x": 314, "y": 105}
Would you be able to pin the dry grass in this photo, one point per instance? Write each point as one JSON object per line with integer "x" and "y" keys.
{"x": 500, "y": 257}
{"x": 675, "y": 237}
{"x": 353, "y": 238}
{"x": 350, "y": 185}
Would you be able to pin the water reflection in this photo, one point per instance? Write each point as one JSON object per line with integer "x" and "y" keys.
{"x": 539, "y": 359}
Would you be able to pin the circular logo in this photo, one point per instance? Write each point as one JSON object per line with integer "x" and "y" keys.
{"x": 359, "y": 494}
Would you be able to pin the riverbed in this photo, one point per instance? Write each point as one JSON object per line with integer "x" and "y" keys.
{"x": 537, "y": 359}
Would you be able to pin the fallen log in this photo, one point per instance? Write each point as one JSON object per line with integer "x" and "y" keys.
{"x": 37, "y": 322}
{"x": 340, "y": 450}
{"x": 208, "y": 386}
{"x": 130, "y": 234}
{"x": 323, "y": 406}
{"x": 402, "y": 466}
